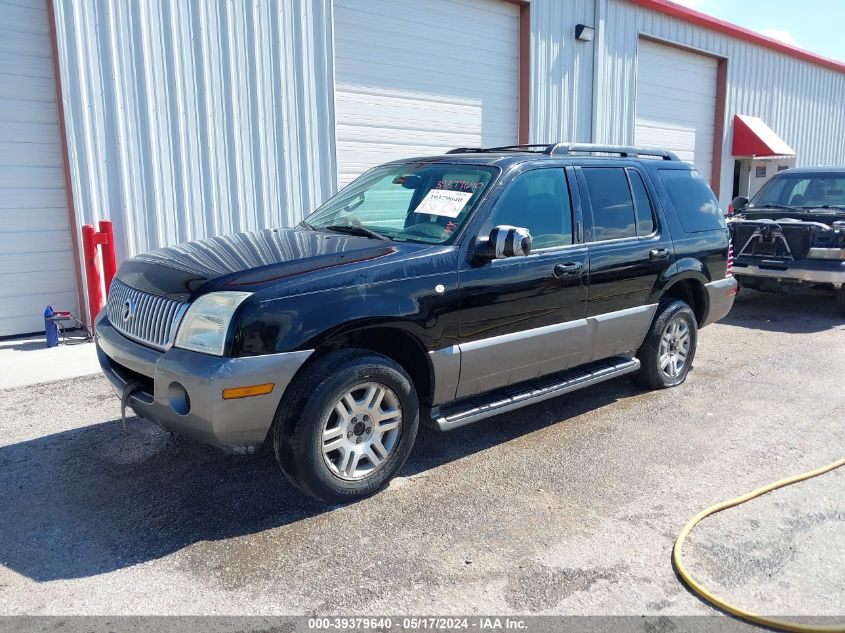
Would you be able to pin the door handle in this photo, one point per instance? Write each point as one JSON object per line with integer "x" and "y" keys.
{"x": 569, "y": 268}
{"x": 659, "y": 253}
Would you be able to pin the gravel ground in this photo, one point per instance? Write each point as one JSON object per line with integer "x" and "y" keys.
{"x": 567, "y": 507}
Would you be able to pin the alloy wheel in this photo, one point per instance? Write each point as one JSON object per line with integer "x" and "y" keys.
{"x": 674, "y": 348}
{"x": 361, "y": 431}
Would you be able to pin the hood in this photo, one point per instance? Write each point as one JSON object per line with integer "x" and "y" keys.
{"x": 252, "y": 261}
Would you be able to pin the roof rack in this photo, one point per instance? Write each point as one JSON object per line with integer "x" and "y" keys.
{"x": 537, "y": 147}
{"x": 563, "y": 149}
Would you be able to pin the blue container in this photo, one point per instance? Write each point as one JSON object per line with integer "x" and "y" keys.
{"x": 50, "y": 328}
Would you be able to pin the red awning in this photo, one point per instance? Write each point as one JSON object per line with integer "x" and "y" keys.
{"x": 752, "y": 137}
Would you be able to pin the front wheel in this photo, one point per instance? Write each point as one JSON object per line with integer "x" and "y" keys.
{"x": 667, "y": 353}
{"x": 347, "y": 427}
{"x": 841, "y": 299}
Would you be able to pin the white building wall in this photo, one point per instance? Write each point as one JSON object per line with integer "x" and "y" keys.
{"x": 191, "y": 119}
{"x": 801, "y": 101}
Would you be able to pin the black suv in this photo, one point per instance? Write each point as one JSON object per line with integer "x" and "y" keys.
{"x": 448, "y": 289}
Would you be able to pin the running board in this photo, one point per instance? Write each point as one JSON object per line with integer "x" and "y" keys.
{"x": 476, "y": 408}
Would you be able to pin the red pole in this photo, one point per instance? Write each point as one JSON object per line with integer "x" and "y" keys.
{"x": 109, "y": 259}
{"x": 92, "y": 272}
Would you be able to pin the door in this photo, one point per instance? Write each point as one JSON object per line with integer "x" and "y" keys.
{"x": 420, "y": 78}
{"x": 628, "y": 250}
{"x": 676, "y": 103}
{"x": 36, "y": 257}
{"x": 523, "y": 317}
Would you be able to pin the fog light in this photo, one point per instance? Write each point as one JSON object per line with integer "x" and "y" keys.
{"x": 178, "y": 397}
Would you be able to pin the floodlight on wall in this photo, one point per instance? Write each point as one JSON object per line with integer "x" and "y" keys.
{"x": 584, "y": 33}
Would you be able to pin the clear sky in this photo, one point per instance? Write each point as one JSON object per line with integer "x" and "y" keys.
{"x": 815, "y": 25}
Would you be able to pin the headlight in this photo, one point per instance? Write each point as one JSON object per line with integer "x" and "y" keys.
{"x": 207, "y": 320}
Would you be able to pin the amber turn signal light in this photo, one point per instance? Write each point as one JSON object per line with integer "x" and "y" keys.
{"x": 246, "y": 392}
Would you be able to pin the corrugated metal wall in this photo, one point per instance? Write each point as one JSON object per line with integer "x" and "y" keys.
{"x": 191, "y": 119}
{"x": 803, "y": 102}
{"x": 561, "y": 83}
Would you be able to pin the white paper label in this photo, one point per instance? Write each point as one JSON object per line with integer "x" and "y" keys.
{"x": 443, "y": 202}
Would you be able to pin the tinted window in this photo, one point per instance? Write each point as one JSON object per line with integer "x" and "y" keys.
{"x": 610, "y": 197}
{"x": 538, "y": 200}
{"x": 642, "y": 204}
{"x": 697, "y": 207}
{"x": 803, "y": 190}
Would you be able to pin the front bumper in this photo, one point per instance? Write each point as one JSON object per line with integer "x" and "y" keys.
{"x": 240, "y": 424}
{"x": 720, "y": 299}
{"x": 821, "y": 271}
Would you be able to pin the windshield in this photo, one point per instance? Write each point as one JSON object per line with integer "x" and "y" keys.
{"x": 408, "y": 202}
{"x": 803, "y": 190}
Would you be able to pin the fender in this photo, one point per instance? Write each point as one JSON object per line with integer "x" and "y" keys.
{"x": 423, "y": 305}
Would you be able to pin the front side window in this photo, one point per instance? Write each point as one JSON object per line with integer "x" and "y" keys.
{"x": 693, "y": 199}
{"x": 407, "y": 202}
{"x": 613, "y": 206}
{"x": 811, "y": 190}
{"x": 537, "y": 200}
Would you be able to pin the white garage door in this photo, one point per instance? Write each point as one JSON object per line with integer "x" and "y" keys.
{"x": 416, "y": 78}
{"x": 36, "y": 262}
{"x": 676, "y": 103}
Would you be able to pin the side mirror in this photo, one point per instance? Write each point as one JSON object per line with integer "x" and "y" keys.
{"x": 504, "y": 241}
{"x": 738, "y": 204}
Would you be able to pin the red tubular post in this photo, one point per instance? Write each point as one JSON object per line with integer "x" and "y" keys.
{"x": 109, "y": 259}
{"x": 92, "y": 271}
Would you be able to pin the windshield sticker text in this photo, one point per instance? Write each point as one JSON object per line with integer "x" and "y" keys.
{"x": 461, "y": 185}
{"x": 444, "y": 203}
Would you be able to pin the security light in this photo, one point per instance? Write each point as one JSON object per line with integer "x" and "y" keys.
{"x": 584, "y": 33}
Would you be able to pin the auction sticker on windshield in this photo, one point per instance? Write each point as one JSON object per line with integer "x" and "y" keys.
{"x": 441, "y": 202}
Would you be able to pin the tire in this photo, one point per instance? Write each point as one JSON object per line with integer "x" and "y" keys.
{"x": 840, "y": 298}
{"x": 663, "y": 340}
{"x": 343, "y": 381}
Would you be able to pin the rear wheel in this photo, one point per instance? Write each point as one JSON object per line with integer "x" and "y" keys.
{"x": 667, "y": 353}
{"x": 841, "y": 299}
{"x": 346, "y": 426}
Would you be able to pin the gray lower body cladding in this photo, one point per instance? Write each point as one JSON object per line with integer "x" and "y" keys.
{"x": 479, "y": 366}
{"x": 182, "y": 391}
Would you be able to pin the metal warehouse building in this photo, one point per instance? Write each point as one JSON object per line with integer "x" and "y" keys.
{"x": 187, "y": 118}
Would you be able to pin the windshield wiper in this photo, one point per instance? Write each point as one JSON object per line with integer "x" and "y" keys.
{"x": 306, "y": 225}
{"x": 352, "y": 229}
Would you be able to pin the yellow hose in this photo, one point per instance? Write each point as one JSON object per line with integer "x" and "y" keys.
{"x": 724, "y": 605}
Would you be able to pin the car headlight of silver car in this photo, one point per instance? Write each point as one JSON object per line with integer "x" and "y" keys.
{"x": 205, "y": 324}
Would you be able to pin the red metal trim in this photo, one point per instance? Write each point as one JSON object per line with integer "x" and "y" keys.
{"x": 719, "y": 125}
{"x": 71, "y": 208}
{"x": 524, "y": 71}
{"x": 701, "y": 19}
{"x": 524, "y": 95}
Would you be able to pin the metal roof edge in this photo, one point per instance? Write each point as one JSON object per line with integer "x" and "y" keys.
{"x": 708, "y": 21}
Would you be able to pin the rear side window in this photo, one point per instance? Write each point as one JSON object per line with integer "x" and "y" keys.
{"x": 610, "y": 198}
{"x": 642, "y": 203}
{"x": 697, "y": 206}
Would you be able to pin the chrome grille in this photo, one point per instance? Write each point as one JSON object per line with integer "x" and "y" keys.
{"x": 154, "y": 319}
